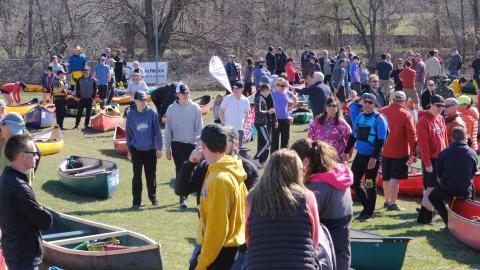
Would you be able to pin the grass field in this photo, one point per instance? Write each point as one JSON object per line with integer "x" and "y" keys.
{"x": 175, "y": 230}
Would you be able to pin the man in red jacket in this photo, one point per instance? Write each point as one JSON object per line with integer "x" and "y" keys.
{"x": 452, "y": 117}
{"x": 408, "y": 81}
{"x": 432, "y": 139}
{"x": 398, "y": 150}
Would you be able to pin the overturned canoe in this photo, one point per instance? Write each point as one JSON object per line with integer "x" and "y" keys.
{"x": 40, "y": 117}
{"x": 106, "y": 120}
{"x": 68, "y": 243}
{"x": 367, "y": 248}
{"x": 22, "y": 108}
{"x": 204, "y": 102}
{"x": 464, "y": 222}
{"x": 49, "y": 141}
{"x": 89, "y": 176}
{"x": 119, "y": 141}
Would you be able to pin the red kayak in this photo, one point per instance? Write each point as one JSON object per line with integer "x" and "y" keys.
{"x": 464, "y": 222}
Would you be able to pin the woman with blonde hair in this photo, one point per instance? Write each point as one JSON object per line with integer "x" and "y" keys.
{"x": 282, "y": 217}
{"x": 330, "y": 181}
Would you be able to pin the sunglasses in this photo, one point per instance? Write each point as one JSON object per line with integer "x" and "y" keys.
{"x": 439, "y": 105}
{"x": 281, "y": 85}
{"x": 368, "y": 101}
{"x": 35, "y": 153}
{"x": 430, "y": 84}
{"x": 332, "y": 105}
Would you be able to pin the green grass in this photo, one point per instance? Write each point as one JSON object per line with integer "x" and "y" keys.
{"x": 176, "y": 230}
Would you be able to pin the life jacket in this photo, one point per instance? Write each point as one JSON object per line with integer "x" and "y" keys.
{"x": 366, "y": 128}
{"x": 59, "y": 84}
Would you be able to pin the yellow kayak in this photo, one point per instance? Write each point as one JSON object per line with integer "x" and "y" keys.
{"x": 49, "y": 141}
{"x": 22, "y": 108}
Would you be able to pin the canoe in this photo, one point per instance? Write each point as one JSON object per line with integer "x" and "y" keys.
{"x": 89, "y": 176}
{"x": 22, "y": 108}
{"x": 413, "y": 185}
{"x": 30, "y": 88}
{"x": 119, "y": 141}
{"x": 51, "y": 108}
{"x": 49, "y": 141}
{"x": 204, "y": 102}
{"x": 40, "y": 117}
{"x": 367, "y": 248}
{"x": 117, "y": 248}
{"x": 302, "y": 116}
{"x": 125, "y": 99}
{"x": 106, "y": 120}
{"x": 462, "y": 224}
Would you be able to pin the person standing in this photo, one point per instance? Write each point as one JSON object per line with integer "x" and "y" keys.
{"x": 318, "y": 93}
{"x": 370, "y": 131}
{"x": 21, "y": 216}
{"x": 280, "y": 61}
{"x": 305, "y": 60}
{"x": 144, "y": 141}
{"x": 120, "y": 64}
{"x": 248, "y": 78}
{"x": 457, "y": 166}
{"x": 111, "y": 83}
{"x": 395, "y": 75}
{"x": 452, "y": 117}
{"x": 476, "y": 67}
{"x": 470, "y": 117}
{"x": 222, "y": 204}
{"x": 427, "y": 94}
{"x": 281, "y": 98}
{"x": 383, "y": 70}
{"x": 47, "y": 84}
{"x": 235, "y": 109}
{"x": 102, "y": 74}
{"x": 355, "y": 80}
{"x": 261, "y": 74}
{"x": 420, "y": 75}
{"x": 76, "y": 62}
{"x": 60, "y": 92}
{"x": 432, "y": 139}
{"x": 233, "y": 69}
{"x": 182, "y": 130}
{"x": 407, "y": 76}
{"x": 374, "y": 89}
{"x": 433, "y": 68}
{"x": 338, "y": 80}
{"x": 292, "y": 73}
{"x": 327, "y": 64}
{"x": 262, "y": 117}
{"x": 137, "y": 85}
{"x": 86, "y": 90}
{"x": 271, "y": 62}
{"x": 455, "y": 63}
{"x": 398, "y": 150}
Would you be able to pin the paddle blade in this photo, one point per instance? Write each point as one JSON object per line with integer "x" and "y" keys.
{"x": 217, "y": 70}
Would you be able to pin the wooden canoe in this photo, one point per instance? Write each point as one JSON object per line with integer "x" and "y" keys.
{"x": 204, "y": 102}
{"x": 125, "y": 99}
{"x": 22, "y": 108}
{"x": 135, "y": 251}
{"x": 367, "y": 248}
{"x": 119, "y": 141}
{"x": 106, "y": 120}
{"x": 464, "y": 222}
{"x": 40, "y": 117}
{"x": 95, "y": 178}
{"x": 49, "y": 141}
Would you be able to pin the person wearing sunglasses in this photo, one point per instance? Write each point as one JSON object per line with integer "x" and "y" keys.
{"x": 370, "y": 131}
{"x": 452, "y": 117}
{"x": 427, "y": 94}
{"x": 374, "y": 89}
{"x": 432, "y": 139}
{"x": 21, "y": 216}
{"x": 281, "y": 99}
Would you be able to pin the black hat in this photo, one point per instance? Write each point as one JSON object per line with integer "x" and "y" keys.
{"x": 60, "y": 71}
{"x": 238, "y": 84}
{"x": 214, "y": 137}
{"x": 182, "y": 89}
{"x": 140, "y": 95}
{"x": 436, "y": 99}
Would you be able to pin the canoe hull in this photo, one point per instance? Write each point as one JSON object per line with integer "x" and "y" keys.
{"x": 50, "y": 148}
{"x": 49, "y": 141}
{"x": 20, "y": 109}
{"x": 125, "y": 99}
{"x": 121, "y": 146}
{"x": 367, "y": 248}
{"x": 40, "y": 117}
{"x": 460, "y": 224}
{"x": 103, "y": 122}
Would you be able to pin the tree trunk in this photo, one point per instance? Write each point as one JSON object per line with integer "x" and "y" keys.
{"x": 452, "y": 26}
{"x": 29, "y": 52}
{"x": 462, "y": 16}
{"x": 338, "y": 26}
{"x": 436, "y": 30}
{"x": 149, "y": 29}
{"x": 476, "y": 17}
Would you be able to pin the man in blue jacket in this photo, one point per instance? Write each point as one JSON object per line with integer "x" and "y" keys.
{"x": 76, "y": 62}
{"x": 457, "y": 165}
{"x": 318, "y": 93}
{"x": 21, "y": 216}
{"x": 144, "y": 141}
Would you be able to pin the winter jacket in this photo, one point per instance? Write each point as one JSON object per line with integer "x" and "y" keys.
{"x": 402, "y": 139}
{"x": 455, "y": 63}
{"x": 470, "y": 117}
{"x": 21, "y": 219}
{"x": 305, "y": 58}
{"x": 425, "y": 99}
{"x": 382, "y": 101}
{"x": 248, "y": 75}
{"x": 260, "y": 75}
{"x": 457, "y": 166}
{"x": 222, "y": 209}
{"x": 318, "y": 94}
{"x": 270, "y": 61}
{"x": 281, "y": 61}
{"x": 233, "y": 71}
{"x": 451, "y": 122}
{"x": 291, "y": 73}
{"x": 445, "y": 91}
{"x": 77, "y": 62}
{"x": 47, "y": 82}
{"x": 432, "y": 136}
{"x": 86, "y": 87}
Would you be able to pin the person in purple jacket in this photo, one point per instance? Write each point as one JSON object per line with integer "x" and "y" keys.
{"x": 144, "y": 141}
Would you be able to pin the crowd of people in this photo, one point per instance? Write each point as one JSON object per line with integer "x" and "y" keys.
{"x": 302, "y": 201}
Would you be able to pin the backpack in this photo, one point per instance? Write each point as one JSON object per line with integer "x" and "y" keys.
{"x": 326, "y": 259}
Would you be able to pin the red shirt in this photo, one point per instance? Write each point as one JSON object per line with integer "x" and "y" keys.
{"x": 408, "y": 78}
{"x": 402, "y": 138}
{"x": 14, "y": 89}
{"x": 414, "y": 63}
{"x": 432, "y": 136}
{"x": 291, "y": 71}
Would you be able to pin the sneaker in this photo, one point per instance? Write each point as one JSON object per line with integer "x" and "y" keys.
{"x": 154, "y": 202}
{"x": 183, "y": 203}
{"x": 366, "y": 218}
{"x": 136, "y": 207}
{"x": 395, "y": 207}
{"x": 385, "y": 205}
{"x": 361, "y": 216}
{"x": 257, "y": 164}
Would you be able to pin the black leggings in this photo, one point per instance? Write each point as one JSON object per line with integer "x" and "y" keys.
{"x": 180, "y": 153}
{"x": 366, "y": 195}
{"x": 60, "y": 103}
{"x": 283, "y": 130}
{"x": 263, "y": 144}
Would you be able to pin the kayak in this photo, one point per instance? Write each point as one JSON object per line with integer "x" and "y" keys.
{"x": 30, "y": 87}
{"x": 464, "y": 222}
{"x": 40, "y": 117}
{"x": 89, "y": 176}
{"x": 49, "y": 141}
{"x": 106, "y": 120}
{"x": 22, "y": 108}
{"x": 125, "y": 99}
{"x": 119, "y": 141}
{"x": 77, "y": 244}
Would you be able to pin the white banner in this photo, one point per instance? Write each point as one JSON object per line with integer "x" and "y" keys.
{"x": 217, "y": 70}
{"x": 150, "y": 73}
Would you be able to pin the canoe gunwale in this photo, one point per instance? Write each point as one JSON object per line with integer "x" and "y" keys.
{"x": 362, "y": 236}
{"x": 462, "y": 218}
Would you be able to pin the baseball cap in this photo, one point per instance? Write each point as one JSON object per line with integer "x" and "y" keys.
{"x": 140, "y": 95}
{"x": 86, "y": 68}
{"x": 182, "y": 89}
{"x": 14, "y": 121}
{"x": 238, "y": 84}
{"x": 464, "y": 100}
{"x": 400, "y": 95}
{"x": 369, "y": 96}
{"x": 108, "y": 50}
{"x": 436, "y": 99}
{"x": 103, "y": 58}
{"x": 214, "y": 137}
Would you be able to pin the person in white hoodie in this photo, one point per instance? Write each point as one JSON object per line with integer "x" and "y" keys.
{"x": 182, "y": 130}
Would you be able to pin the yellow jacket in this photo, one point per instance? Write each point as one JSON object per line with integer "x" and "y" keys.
{"x": 455, "y": 85}
{"x": 222, "y": 209}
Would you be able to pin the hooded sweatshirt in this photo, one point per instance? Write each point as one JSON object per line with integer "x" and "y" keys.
{"x": 222, "y": 209}
{"x": 457, "y": 166}
{"x": 184, "y": 124}
{"x": 470, "y": 117}
{"x": 432, "y": 136}
{"x": 143, "y": 130}
{"x": 451, "y": 122}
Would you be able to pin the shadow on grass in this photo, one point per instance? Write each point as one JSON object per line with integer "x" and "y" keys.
{"x": 191, "y": 240}
{"x": 180, "y": 210}
{"x": 171, "y": 184}
{"x": 452, "y": 249}
{"x": 111, "y": 153}
{"x": 58, "y": 190}
{"x": 119, "y": 210}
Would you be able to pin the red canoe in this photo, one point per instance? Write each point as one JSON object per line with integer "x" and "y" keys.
{"x": 106, "y": 120}
{"x": 119, "y": 141}
{"x": 464, "y": 222}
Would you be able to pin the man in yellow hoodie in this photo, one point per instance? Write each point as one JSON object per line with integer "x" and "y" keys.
{"x": 222, "y": 204}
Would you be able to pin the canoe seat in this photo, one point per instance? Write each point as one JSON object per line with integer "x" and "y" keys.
{"x": 64, "y": 235}
{"x": 94, "y": 166}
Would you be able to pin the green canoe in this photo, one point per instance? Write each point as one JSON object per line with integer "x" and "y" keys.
{"x": 77, "y": 244}
{"x": 375, "y": 252}
{"x": 89, "y": 176}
